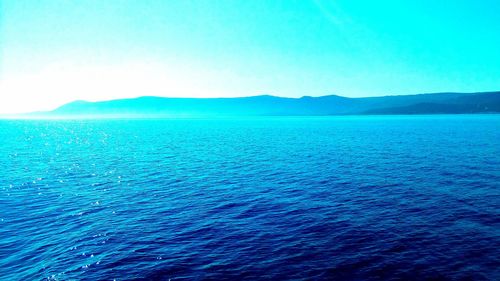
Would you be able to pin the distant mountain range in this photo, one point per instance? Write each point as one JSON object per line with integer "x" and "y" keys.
{"x": 439, "y": 103}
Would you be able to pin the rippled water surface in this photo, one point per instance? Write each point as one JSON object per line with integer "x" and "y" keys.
{"x": 340, "y": 198}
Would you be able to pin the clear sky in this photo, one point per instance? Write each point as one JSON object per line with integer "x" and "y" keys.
{"x": 53, "y": 52}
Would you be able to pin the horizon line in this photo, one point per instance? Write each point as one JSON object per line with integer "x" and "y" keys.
{"x": 279, "y": 96}
{"x": 23, "y": 115}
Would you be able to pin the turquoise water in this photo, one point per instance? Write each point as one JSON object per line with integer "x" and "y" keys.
{"x": 343, "y": 198}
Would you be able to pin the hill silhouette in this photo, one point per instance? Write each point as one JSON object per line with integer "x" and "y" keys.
{"x": 266, "y": 105}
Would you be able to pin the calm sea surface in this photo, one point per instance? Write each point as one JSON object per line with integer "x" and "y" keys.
{"x": 337, "y": 198}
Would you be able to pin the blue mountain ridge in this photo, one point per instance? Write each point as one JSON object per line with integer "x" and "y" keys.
{"x": 266, "y": 105}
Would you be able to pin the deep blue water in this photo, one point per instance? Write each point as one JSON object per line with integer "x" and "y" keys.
{"x": 338, "y": 198}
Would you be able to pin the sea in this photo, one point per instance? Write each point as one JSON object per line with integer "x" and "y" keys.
{"x": 264, "y": 198}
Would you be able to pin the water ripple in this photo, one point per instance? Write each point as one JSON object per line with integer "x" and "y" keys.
{"x": 352, "y": 198}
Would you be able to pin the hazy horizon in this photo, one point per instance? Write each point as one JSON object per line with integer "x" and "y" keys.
{"x": 231, "y": 97}
{"x": 249, "y": 140}
{"x": 54, "y": 52}
{"x": 148, "y": 107}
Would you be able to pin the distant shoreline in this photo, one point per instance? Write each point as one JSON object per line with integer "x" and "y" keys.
{"x": 346, "y": 116}
{"x": 149, "y": 107}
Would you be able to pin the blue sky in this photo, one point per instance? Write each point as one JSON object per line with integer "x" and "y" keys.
{"x": 53, "y": 52}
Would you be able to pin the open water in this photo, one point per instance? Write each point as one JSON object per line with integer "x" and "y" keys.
{"x": 309, "y": 198}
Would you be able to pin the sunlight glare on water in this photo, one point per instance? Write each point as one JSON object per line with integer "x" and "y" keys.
{"x": 366, "y": 198}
